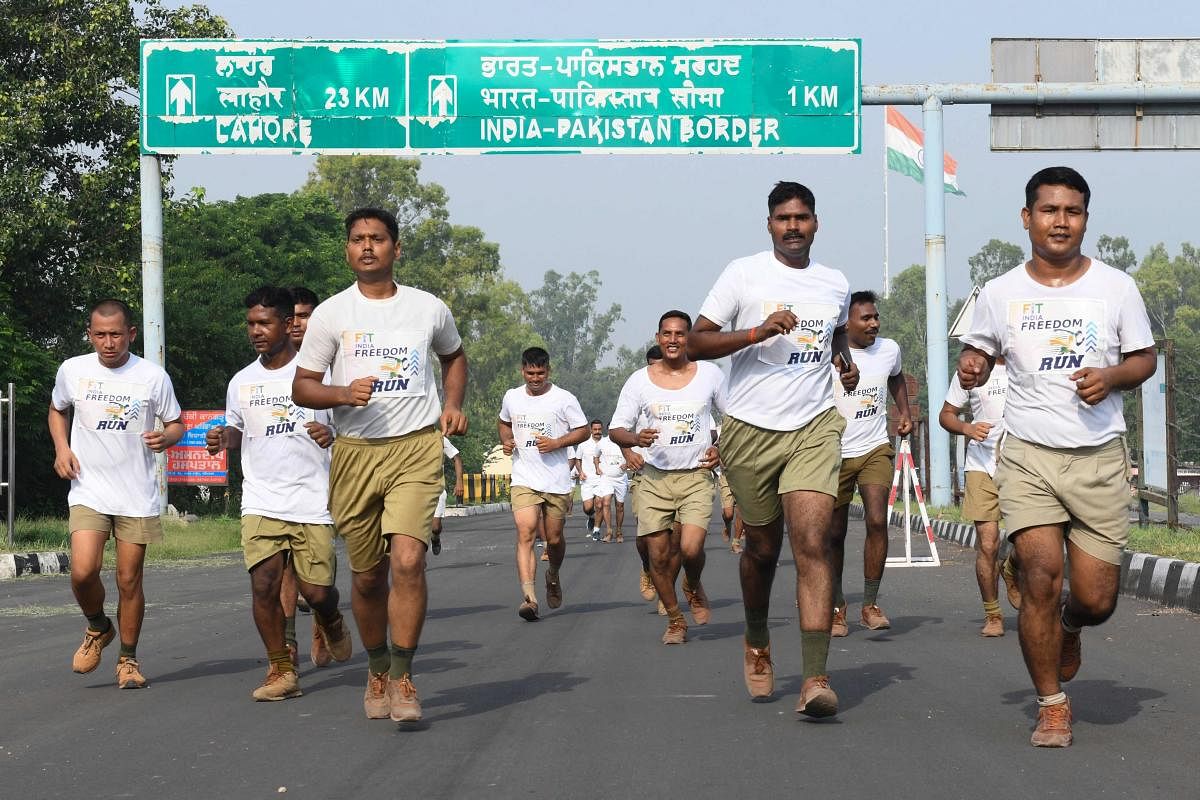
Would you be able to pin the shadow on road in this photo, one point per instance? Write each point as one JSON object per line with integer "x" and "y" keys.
{"x": 900, "y": 625}
{"x": 461, "y": 611}
{"x": 1099, "y": 702}
{"x": 590, "y": 608}
{"x": 204, "y": 669}
{"x": 480, "y": 698}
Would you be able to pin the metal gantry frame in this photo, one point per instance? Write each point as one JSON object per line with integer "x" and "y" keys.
{"x": 930, "y": 96}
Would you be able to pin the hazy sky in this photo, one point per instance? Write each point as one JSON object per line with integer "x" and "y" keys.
{"x": 660, "y": 228}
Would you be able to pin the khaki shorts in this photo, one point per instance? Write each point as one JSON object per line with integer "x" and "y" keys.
{"x": 381, "y": 487}
{"x": 135, "y": 530}
{"x": 982, "y": 501}
{"x": 726, "y": 493}
{"x": 553, "y": 505}
{"x": 635, "y": 481}
{"x": 763, "y": 464}
{"x": 311, "y": 546}
{"x": 1085, "y": 486}
{"x": 683, "y": 496}
{"x": 869, "y": 469}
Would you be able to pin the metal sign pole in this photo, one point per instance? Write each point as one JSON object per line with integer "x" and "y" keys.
{"x": 10, "y": 447}
{"x": 153, "y": 312}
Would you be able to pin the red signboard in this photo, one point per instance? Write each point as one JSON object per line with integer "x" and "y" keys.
{"x": 188, "y": 462}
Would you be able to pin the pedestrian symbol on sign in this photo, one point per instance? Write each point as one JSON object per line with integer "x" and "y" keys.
{"x": 181, "y": 95}
{"x": 443, "y": 96}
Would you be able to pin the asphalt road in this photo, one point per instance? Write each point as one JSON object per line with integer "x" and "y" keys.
{"x": 586, "y": 703}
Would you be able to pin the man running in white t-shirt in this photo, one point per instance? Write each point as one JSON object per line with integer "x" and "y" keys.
{"x": 781, "y": 438}
{"x": 451, "y": 452}
{"x": 285, "y": 493}
{"x": 666, "y": 408}
{"x": 538, "y": 423}
{"x": 867, "y": 454}
{"x": 102, "y": 422}
{"x": 982, "y": 502}
{"x": 589, "y": 479}
{"x": 386, "y": 472}
{"x": 612, "y": 470}
{"x": 1074, "y": 334}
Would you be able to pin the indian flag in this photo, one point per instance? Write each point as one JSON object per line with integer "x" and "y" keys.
{"x": 906, "y": 151}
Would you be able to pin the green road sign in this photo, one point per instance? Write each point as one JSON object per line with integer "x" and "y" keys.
{"x": 408, "y": 98}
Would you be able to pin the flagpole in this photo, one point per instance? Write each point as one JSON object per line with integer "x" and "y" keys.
{"x": 886, "y": 280}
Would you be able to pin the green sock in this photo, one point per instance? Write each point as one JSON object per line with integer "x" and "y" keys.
{"x": 757, "y": 633}
{"x": 281, "y": 660}
{"x": 379, "y": 659}
{"x": 401, "y": 661}
{"x": 814, "y": 649}
{"x": 991, "y": 608}
{"x": 870, "y": 592}
{"x": 289, "y": 629}
{"x": 128, "y": 651}
{"x": 839, "y": 599}
{"x": 99, "y": 622}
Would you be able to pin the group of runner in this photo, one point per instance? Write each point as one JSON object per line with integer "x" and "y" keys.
{"x": 348, "y": 434}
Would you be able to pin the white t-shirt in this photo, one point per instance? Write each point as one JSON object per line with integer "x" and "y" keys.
{"x": 682, "y": 417}
{"x": 355, "y": 337}
{"x": 1047, "y": 333}
{"x": 286, "y": 474}
{"x": 865, "y": 408}
{"x": 112, "y": 409}
{"x": 552, "y": 414}
{"x": 987, "y": 405}
{"x": 586, "y": 453}
{"x": 611, "y": 459}
{"x": 781, "y": 383}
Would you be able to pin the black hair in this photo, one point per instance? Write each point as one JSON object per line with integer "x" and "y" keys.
{"x": 535, "y": 357}
{"x": 386, "y": 217}
{"x": 1056, "y": 176}
{"x": 790, "y": 190}
{"x": 864, "y": 296}
{"x": 110, "y": 306}
{"x": 654, "y": 353}
{"x": 596, "y": 422}
{"x": 677, "y": 314}
{"x": 273, "y": 297}
{"x": 303, "y": 296}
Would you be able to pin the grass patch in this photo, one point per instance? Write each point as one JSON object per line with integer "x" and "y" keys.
{"x": 204, "y": 537}
{"x": 1159, "y": 540}
{"x": 1189, "y": 503}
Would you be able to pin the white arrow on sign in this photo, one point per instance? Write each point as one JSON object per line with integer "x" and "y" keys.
{"x": 442, "y": 98}
{"x": 180, "y": 94}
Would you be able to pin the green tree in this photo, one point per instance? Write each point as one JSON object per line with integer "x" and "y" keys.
{"x": 382, "y": 182}
{"x": 566, "y": 312}
{"x": 215, "y": 254}
{"x": 1116, "y": 252}
{"x": 994, "y": 259}
{"x": 69, "y": 200}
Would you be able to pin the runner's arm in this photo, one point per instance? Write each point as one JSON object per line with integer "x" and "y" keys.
{"x": 66, "y": 465}
{"x": 310, "y": 390}
{"x": 454, "y": 390}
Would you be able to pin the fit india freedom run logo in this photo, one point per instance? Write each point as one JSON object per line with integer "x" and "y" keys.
{"x": 680, "y": 422}
{"x": 812, "y": 333}
{"x": 1066, "y": 343}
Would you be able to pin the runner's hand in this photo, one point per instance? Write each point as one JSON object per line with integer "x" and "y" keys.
{"x": 973, "y": 369}
{"x": 453, "y": 421}
{"x": 778, "y": 323}
{"x": 545, "y": 444}
{"x": 214, "y": 439}
{"x": 977, "y": 431}
{"x": 904, "y": 426}
{"x": 359, "y": 392}
{"x": 647, "y": 436}
{"x": 66, "y": 464}
{"x": 710, "y": 459}
{"x": 321, "y": 434}
{"x": 635, "y": 461}
{"x": 156, "y": 440}
{"x": 1091, "y": 384}
{"x": 847, "y": 375}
